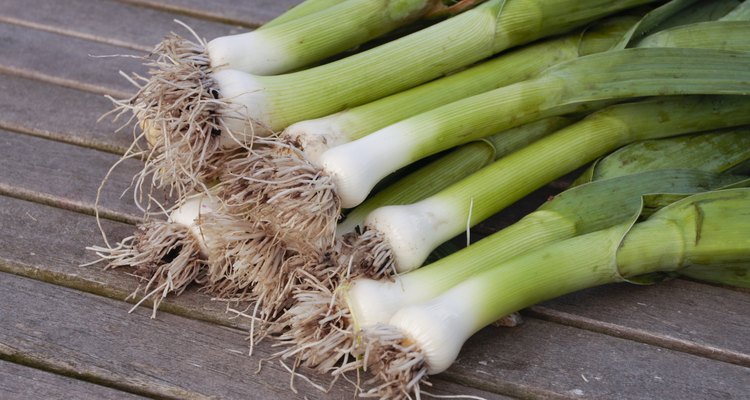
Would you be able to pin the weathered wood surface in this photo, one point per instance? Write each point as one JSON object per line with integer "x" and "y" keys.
{"x": 688, "y": 316}
{"x": 66, "y": 61}
{"x": 250, "y": 13}
{"x": 67, "y": 176}
{"x": 49, "y": 244}
{"x": 536, "y": 359}
{"x": 171, "y": 356}
{"x": 137, "y": 28}
{"x": 619, "y": 341}
{"x": 167, "y": 357}
{"x": 18, "y": 382}
{"x": 60, "y": 113}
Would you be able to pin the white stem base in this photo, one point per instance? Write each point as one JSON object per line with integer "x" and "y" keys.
{"x": 189, "y": 215}
{"x": 316, "y": 136}
{"x": 247, "y": 112}
{"x": 426, "y": 324}
{"x": 414, "y": 230}
{"x": 357, "y": 166}
{"x": 252, "y": 52}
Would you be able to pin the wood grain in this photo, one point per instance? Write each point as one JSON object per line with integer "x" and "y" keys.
{"x": 67, "y": 176}
{"x": 539, "y": 360}
{"x": 66, "y": 61}
{"x": 171, "y": 356}
{"x": 107, "y": 21}
{"x": 49, "y": 244}
{"x": 250, "y": 13}
{"x": 60, "y": 113}
{"x": 18, "y": 382}
{"x": 679, "y": 314}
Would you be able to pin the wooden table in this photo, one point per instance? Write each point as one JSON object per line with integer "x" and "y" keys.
{"x": 64, "y": 328}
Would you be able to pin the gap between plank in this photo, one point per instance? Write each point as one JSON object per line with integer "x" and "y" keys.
{"x": 75, "y": 34}
{"x": 31, "y": 362}
{"x": 66, "y": 204}
{"x": 19, "y": 360}
{"x": 66, "y": 139}
{"x": 191, "y": 13}
{"x": 68, "y": 83}
{"x": 638, "y": 335}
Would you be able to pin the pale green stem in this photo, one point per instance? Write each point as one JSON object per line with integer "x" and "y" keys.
{"x": 422, "y": 183}
{"x": 708, "y": 229}
{"x": 705, "y": 229}
{"x": 727, "y": 35}
{"x": 564, "y": 88}
{"x": 316, "y": 36}
{"x": 422, "y": 56}
{"x": 584, "y": 209}
{"x": 521, "y": 172}
{"x": 303, "y": 9}
{"x": 413, "y": 231}
{"x": 621, "y": 74}
{"x": 741, "y": 12}
{"x": 451, "y": 168}
{"x": 509, "y": 68}
{"x": 700, "y": 12}
{"x": 714, "y": 151}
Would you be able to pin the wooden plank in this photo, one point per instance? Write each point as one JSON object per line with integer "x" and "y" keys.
{"x": 49, "y": 244}
{"x": 65, "y": 60}
{"x": 542, "y": 360}
{"x": 687, "y": 316}
{"x": 20, "y": 382}
{"x": 249, "y": 13}
{"x": 33, "y": 252}
{"x": 169, "y": 357}
{"x": 107, "y": 21}
{"x": 67, "y": 176}
{"x": 60, "y": 113}
{"x": 86, "y": 336}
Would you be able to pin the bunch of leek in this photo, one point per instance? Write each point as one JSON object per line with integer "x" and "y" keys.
{"x": 267, "y": 228}
{"x": 326, "y": 318}
{"x": 192, "y": 130}
{"x": 708, "y": 229}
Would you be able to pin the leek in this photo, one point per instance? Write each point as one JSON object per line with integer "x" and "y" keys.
{"x": 450, "y": 168}
{"x": 732, "y": 35}
{"x": 167, "y": 255}
{"x": 355, "y": 167}
{"x": 708, "y": 229}
{"x": 189, "y": 127}
{"x": 303, "y": 9}
{"x": 316, "y": 136}
{"x": 713, "y": 151}
{"x": 405, "y": 235}
{"x": 741, "y": 13}
{"x": 324, "y": 319}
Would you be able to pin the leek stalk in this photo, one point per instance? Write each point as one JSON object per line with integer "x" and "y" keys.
{"x": 316, "y": 136}
{"x": 187, "y": 129}
{"x": 303, "y": 9}
{"x": 584, "y": 209}
{"x": 707, "y": 229}
{"x": 412, "y": 231}
{"x": 451, "y": 168}
{"x": 355, "y": 167}
{"x": 718, "y": 152}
